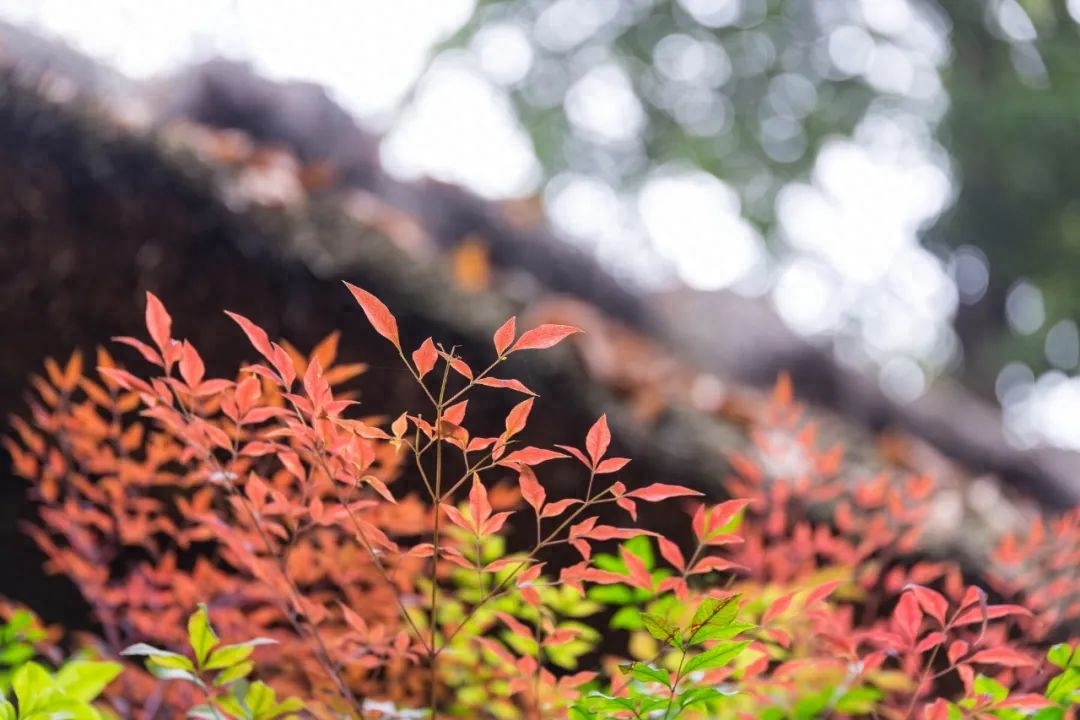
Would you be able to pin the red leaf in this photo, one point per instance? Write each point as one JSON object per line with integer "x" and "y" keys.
{"x": 661, "y": 491}
{"x": 783, "y": 392}
{"x": 1028, "y": 701}
{"x": 777, "y": 608}
{"x": 1005, "y": 656}
{"x": 424, "y": 357}
{"x": 671, "y": 552}
{"x": 507, "y": 384}
{"x": 459, "y": 366}
{"x": 611, "y": 465}
{"x": 993, "y": 612}
{"x": 939, "y": 710}
{"x": 543, "y": 337}
{"x": 516, "y": 418}
{"x": 377, "y": 313}
{"x": 930, "y": 640}
{"x": 577, "y": 454}
{"x": 608, "y": 532}
{"x": 191, "y": 365}
{"x": 158, "y": 322}
{"x": 717, "y": 564}
{"x": 505, "y": 335}
{"x": 479, "y": 507}
{"x": 639, "y": 575}
{"x": 558, "y": 507}
{"x": 597, "y": 440}
{"x": 908, "y": 616}
{"x": 932, "y": 602}
{"x": 255, "y": 334}
{"x": 821, "y": 592}
{"x": 457, "y": 518}
{"x": 531, "y": 456}
{"x": 149, "y": 353}
{"x": 455, "y": 414}
{"x": 531, "y": 489}
{"x": 708, "y": 522}
{"x": 957, "y": 650}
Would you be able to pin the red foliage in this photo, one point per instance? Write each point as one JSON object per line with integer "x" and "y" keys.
{"x": 268, "y": 498}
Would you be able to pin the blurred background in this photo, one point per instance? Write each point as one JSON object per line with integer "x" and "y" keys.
{"x": 898, "y": 179}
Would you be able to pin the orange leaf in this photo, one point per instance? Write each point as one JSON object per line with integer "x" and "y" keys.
{"x": 516, "y": 419}
{"x": 508, "y": 384}
{"x": 597, "y": 440}
{"x": 1005, "y": 656}
{"x": 543, "y": 337}
{"x": 455, "y": 414}
{"x": 671, "y": 552}
{"x": 611, "y": 465}
{"x": 907, "y": 617}
{"x": 933, "y": 603}
{"x": 255, "y": 334}
{"x": 158, "y": 322}
{"x": 531, "y": 456}
{"x": 783, "y": 393}
{"x": 531, "y": 489}
{"x": 505, "y": 335}
{"x": 191, "y": 365}
{"x": 377, "y": 313}
{"x": 424, "y": 357}
{"x": 661, "y": 491}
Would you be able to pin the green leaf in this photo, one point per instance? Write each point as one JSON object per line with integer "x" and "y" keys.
{"x": 144, "y": 650}
{"x": 627, "y": 618}
{"x": 7, "y": 711}
{"x": 611, "y": 594}
{"x": 659, "y": 628}
{"x": 719, "y": 632}
{"x": 228, "y": 655}
{"x": 988, "y": 686}
{"x": 704, "y": 695}
{"x": 33, "y": 688}
{"x": 649, "y": 674}
{"x": 1060, "y": 655}
{"x": 163, "y": 673}
{"x": 716, "y": 611}
{"x": 84, "y": 679}
{"x": 715, "y": 657}
{"x": 234, "y": 673}
{"x": 201, "y": 635}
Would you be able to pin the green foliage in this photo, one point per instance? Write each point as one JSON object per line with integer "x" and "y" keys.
{"x": 66, "y": 695}
{"x": 707, "y": 643}
{"x": 17, "y": 638}
{"x": 29, "y": 691}
{"x": 220, "y": 672}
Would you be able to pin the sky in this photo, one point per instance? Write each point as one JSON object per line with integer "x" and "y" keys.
{"x": 855, "y": 272}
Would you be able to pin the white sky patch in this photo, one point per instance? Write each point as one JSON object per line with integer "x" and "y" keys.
{"x": 860, "y": 216}
{"x": 503, "y": 51}
{"x": 368, "y": 53}
{"x": 461, "y": 129}
{"x": 602, "y": 104}
{"x": 1045, "y": 412}
{"x": 695, "y": 221}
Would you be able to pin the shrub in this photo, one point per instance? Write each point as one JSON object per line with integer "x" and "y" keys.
{"x": 30, "y": 691}
{"x": 372, "y": 552}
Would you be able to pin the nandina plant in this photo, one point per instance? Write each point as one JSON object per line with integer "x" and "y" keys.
{"x": 268, "y": 499}
{"x": 273, "y": 500}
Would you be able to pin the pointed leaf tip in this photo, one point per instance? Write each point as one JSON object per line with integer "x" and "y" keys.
{"x": 543, "y": 337}
{"x": 377, "y": 314}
